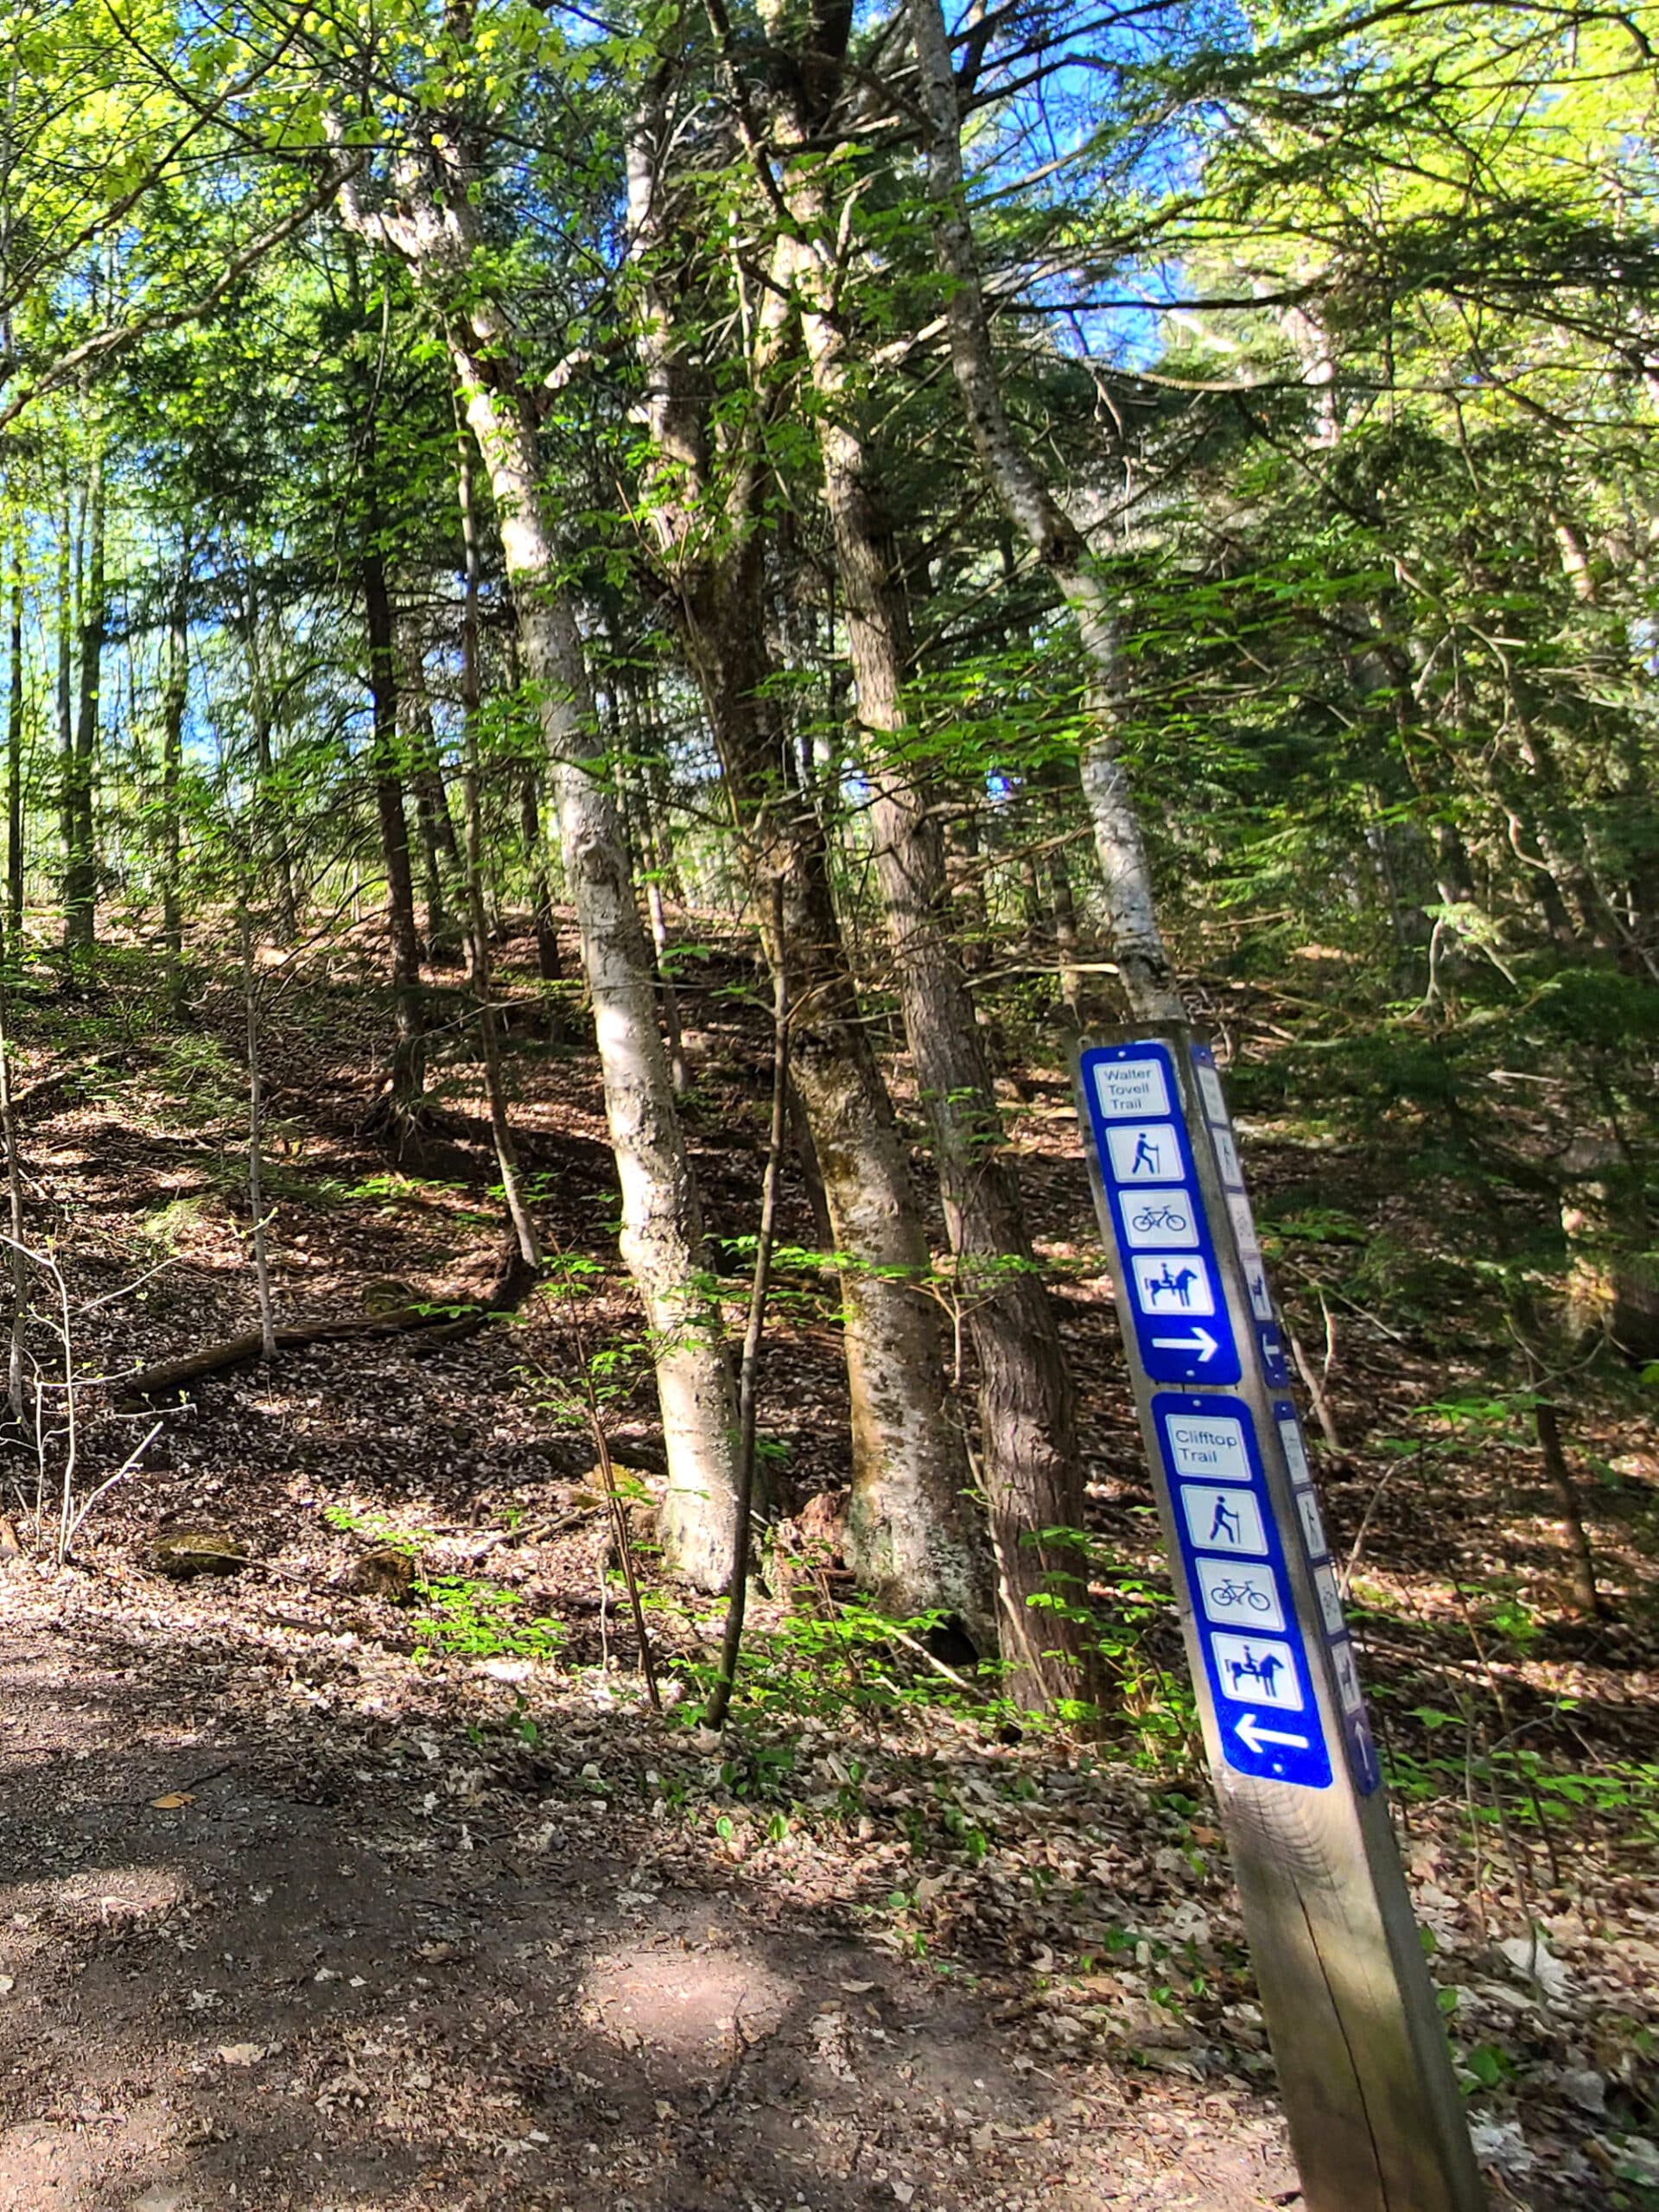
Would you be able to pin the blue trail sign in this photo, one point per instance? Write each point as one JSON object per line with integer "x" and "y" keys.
{"x": 1255, "y": 1658}
{"x": 1373, "y": 2107}
{"x": 1179, "y": 1318}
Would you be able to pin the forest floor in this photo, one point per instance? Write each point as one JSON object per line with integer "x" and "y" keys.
{"x": 309, "y": 1898}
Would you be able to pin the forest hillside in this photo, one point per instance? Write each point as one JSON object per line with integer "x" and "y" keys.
{"x": 624, "y": 632}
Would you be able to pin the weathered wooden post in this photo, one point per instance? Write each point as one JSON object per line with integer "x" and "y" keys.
{"x": 1376, "y": 2118}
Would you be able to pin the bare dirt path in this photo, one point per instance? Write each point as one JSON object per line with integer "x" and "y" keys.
{"x": 379, "y": 1958}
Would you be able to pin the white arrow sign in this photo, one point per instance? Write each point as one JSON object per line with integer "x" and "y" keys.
{"x": 1251, "y": 1731}
{"x": 1200, "y": 1341}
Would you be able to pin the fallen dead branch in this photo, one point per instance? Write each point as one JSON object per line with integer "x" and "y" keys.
{"x": 436, "y": 1321}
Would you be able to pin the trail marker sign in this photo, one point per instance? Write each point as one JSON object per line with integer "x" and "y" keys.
{"x": 1376, "y": 2118}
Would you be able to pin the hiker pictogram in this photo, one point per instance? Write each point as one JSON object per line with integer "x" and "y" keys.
{"x": 1220, "y": 1520}
{"x": 1143, "y": 1152}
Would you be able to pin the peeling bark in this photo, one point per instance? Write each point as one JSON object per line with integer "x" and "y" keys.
{"x": 662, "y": 1228}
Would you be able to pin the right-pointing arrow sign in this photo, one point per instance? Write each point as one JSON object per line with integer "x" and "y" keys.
{"x": 1200, "y": 1342}
{"x": 1251, "y": 1731}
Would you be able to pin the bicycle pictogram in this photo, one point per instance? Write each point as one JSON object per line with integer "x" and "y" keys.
{"x": 1240, "y": 1593}
{"x": 1152, "y": 1218}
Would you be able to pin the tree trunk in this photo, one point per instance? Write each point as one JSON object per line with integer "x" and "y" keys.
{"x": 1033, "y": 1476}
{"x": 661, "y": 1226}
{"x": 1613, "y": 1284}
{"x": 69, "y": 545}
{"x": 1581, "y": 1573}
{"x": 748, "y": 1384}
{"x": 407, "y": 1078}
{"x": 507, "y": 1153}
{"x": 440, "y": 849}
{"x": 673, "y": 1030}
{"x": 635, "y": 803}
{"x": 15, "y": 755}
{"x": 805, "y": 1149}
{"x": 661, "y": 1223}
{"x": 173, "y": 706}
{"x": 80, "y": 855}
{"x": 440, "y": 929}
{"x": 19, "y": 1265}
{"x": 1063, "y": 909}
{"x": 256, "y": 1133}
{"x": 665, "y": 860}
{"x": 548, "y": 965}
{"x": 274, "y": 825}
{"x": 1142, "y": 957}
{"x": 1565, "y": 841}
{"x": 912, "y": 1537}
{"x": 1036, "y": 929}
{"x": 409, "y": 1052}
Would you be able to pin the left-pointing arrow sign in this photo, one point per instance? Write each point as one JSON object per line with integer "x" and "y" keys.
{"x": 1200, "y": 1342}
{"x": 1252, "y": 1732}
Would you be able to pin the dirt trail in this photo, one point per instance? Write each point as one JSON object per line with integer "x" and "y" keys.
{"x": 370, "y": 1963}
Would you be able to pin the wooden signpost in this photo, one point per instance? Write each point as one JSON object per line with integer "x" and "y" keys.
{"x": 1376, "y": 2118}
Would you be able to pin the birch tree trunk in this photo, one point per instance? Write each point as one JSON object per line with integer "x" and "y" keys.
{"x": 1023, "y": 493}
{"x": 661, "y": 1223}
{"x": 507, "y": 1153}
{"x": 634, "y": 805}
{"x": 661, "y": 1226}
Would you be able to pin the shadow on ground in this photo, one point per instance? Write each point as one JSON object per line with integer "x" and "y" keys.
{"x": 317, "y": 1984}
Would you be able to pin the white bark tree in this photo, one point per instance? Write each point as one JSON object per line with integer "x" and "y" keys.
{"x": 433, "y": 227}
